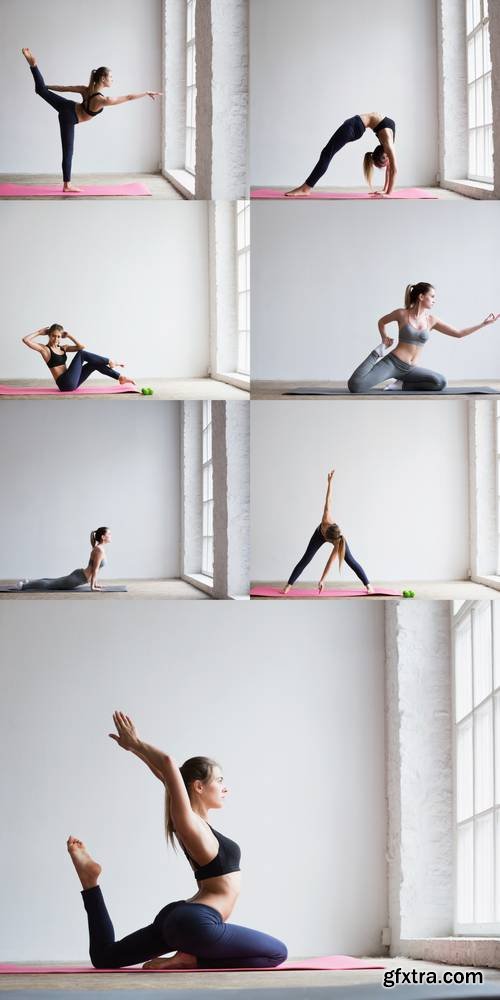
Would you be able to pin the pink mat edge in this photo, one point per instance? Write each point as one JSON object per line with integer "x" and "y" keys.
{"x": 46, "y": 190}
{"x": 327, "y": 963}
{"x": 91, "y": 390}
{"x": 402, "y": 194}
{"x": 302, "y": 592}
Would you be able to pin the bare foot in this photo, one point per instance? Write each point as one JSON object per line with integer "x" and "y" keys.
{"x": 72, "y": 190}
{"x": 181, "y": 960}
{"x": 87, "y": 869}
{"x": 369, "y": 589}
{"x": 287, "y": 588}
{"x": 116, "y": 364}
{"x": 28, "y": 55}
{"x": 300, "y": 192}
{"x": 125, "y": 378}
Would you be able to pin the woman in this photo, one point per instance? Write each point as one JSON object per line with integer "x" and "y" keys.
{"x": 382, "y": 156}
{"x": 54, "y": 353}
{"x": 98, "y": 540}
{"x": 415, "y": 324}
{"x": 328, "y": 531}
{"x": 194, "y": 928}
{"x": 71, "y": 113}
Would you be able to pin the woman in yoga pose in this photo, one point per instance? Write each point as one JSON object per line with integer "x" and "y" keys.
{"x": 72, "y": 113}
{"x": 328, "y": 531}
{"x": 97, "y": 559}
{"x": 383, "y": 156}
{"x": 54, "y": 353}
{"x": 415, "y": 324}
{"x": 194, "y": 928}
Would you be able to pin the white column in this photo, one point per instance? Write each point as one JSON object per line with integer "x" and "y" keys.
{"x": 453, "y": 122}
{"x": 191, "y": 488}
{"x": 494, "y": 15}
{"x": 483, "y": 487}
{"x": 174, "y": 87}
{"x": 223, "y": 291}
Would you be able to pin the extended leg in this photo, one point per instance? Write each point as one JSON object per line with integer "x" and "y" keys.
{"x": 355, "y": 566}
{"x": 70, "y": 582}
{"x": 55, "y": 100}
{"x": 67, "y": 129}
{"x": 371, "y": 372}
{"x": 105, "y": 952}
{"x": 199, "y": 930}
{"x": 315, "y": 543}
{"x": 346, "y": 133}
{"x": 423, "y": 380}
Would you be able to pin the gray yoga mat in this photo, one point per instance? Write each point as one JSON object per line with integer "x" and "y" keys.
{"x": 302, "y": 390}
{"x": 368, "y": 991}
{"x": 85, "y": 589}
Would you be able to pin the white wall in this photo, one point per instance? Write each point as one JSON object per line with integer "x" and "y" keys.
{"x": 296, "y": 794}
{"x": 311, "y": 69}
{"x": 69, "y": 40}
{"x": 69, "y": 469}
{"x": 323, "y": 275}
{"x": 130, "y": 281}
{"x": 400, "y": 489}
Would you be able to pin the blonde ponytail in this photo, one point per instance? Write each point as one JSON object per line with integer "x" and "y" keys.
{"x": 408, "y": 299}
{"x": 341, "y": 550}
{"x": 92, "y": 538}
{"x": 169, "y": 823}
{"x": 413, "y": 292}
{"x": 368, "y": 168}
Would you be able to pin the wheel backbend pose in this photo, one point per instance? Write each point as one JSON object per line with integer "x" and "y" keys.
{"x": 194, "y": 928}
{"x": 97, "y": 560}
{"x": 72, "y": 113}
{"x": 383, "y": 156}
{"x": 55, "y": 353}
{"x": 415, "y": 323}
{"x": 328, "y": 531}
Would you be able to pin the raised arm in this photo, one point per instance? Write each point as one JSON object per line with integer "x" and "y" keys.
{"x": 30, "y": 339}
{"x": 392, "y": 317}
{"x": 451, "y": 331}
{"x": 109, "y": 102}
{"x": 79, "y": 88}
{"x": 327, "y": 509}
{"x": 75, "y": 344}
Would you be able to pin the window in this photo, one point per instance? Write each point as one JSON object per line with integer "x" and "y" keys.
{"x": 207, "y": 555}
{"x": 243, "y": 284}
{"x": 479, "y": 92}
{"x": 190, "y": 86}
{"x": 477, "y": 766}
{"x": 498, "y": 484}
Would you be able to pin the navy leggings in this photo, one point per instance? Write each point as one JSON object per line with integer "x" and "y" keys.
{"x": 190, "y": 927}
{"x": 315, "y": 544}
{"x": 67, "y": 119}
{"x": 350, "y": 131}
{"x": 82, "y": 365}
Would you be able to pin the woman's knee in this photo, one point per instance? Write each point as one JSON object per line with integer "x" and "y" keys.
{"x": 440, "y": 382}
{"x": 354, "y": 384}
{"x": 278, "y": 954}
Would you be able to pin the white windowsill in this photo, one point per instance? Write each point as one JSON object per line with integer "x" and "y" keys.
{"x": 199, "y": 580}
{"x": 476, "y": 951}
{"x": 234, "y": 378}
{"x": 472, "y": 189}
{"x": 182, "y": 180}
{"x": 487, "y": 581}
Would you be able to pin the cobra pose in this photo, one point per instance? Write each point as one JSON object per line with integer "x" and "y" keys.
{"x": 194, "y": 928}
{"x": 72, "y": 113}
{"x": 383, "y": 156}
{"x": 328, "y": 531}
{"x": 55, "y": 354}
{"x": 415, "y": 323}
{"x": 97, "y": 559}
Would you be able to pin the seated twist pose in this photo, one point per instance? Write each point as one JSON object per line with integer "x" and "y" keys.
{"x": 415, "y": 324}
{"x": 383, "y": 156}
{"x": 55, "y": 353}
{"x": 72, "y": 113}
{"x": 196, "y": 929}
{"x": 97, "y": 559}
{"x": 328, "y": 531}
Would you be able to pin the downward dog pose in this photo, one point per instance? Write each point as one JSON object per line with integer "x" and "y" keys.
{"x": 328, "y": 531}
{"x": 72, "y": 113}
{"x": 98, "y": 540}
{"x": 383, "y": 156}
{"x": 54, "y": 353}
{"x": 415, "y": 324}
{"x": 194, "y": 928}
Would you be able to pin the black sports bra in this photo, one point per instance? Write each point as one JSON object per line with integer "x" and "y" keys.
{"x": 86, "y": 105}
{"x": 227, "y": 859}
{"x": 386, "y": 123}
{"x": 56, "y": 359}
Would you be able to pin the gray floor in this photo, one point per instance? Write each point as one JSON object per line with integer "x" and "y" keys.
{"x": 274, "y": 389}
{"x": 441, "y": 590}
{"x": 160, "y": 188}
{"x": 143, "y": 589}
{"x": 163, "y": 388}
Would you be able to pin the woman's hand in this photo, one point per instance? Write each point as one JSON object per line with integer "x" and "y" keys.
{"x": 321, "y": 585}
{"x": 153, "y": 94}
{"x": 330, "y": 475}
{"x": 387, "y": 341}
{"x": 491, "y": 318}
{"x": 126, "y": 734}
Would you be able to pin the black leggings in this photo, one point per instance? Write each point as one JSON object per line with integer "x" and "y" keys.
{"x": 194, "y": 928}
{"x": 67, "y": 119}
{"x": 350, "y": 131}
{"x": 82, "y": 365}
{"x": 317, "y": 540}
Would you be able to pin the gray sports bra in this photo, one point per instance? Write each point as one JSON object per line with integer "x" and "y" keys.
{"x": 409, "y": 335}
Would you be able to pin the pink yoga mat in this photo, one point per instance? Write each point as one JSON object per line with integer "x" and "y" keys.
{"x": 48, "y": 190}
{"x": 332, "y": 963}
{"x": 298, "y": 592}
{"x": 402, "y": 193}
{"x": 89, "y": 390}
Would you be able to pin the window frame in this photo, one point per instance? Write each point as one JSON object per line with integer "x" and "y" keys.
{"x": 486, "y": 128}
{"x": 190, "y": 93}
{"x": 243, "y": 251}
{"x": 207, "y": 497}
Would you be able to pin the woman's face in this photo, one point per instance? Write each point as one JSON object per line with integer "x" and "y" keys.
{"x": 428, "y": 300}
{"x": 384, "y": 162}
{"x": 214, "y": 790}
{"x": 107, "y": 80}
{"x": 106, "y": 537}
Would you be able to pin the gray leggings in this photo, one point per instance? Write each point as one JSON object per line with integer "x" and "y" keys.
{"x": 71, "y": 582}
{"x": 375, "y": 369}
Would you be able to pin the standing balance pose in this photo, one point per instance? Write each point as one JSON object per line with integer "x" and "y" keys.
{"x": 98, "y": 540}
{"x": 328, "y": 531}
{"x": 382, "y": 156}
{"x": 415, "y": 324}
{"x": 194, "y": 928}
{"x": 54, "y": 353}
{"x": 71, "y": 113}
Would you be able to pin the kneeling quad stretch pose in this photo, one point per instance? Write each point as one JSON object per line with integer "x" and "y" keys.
{"x": 383, "y": 156}
{"x": 54, "y": 353}
{"x": 415, "y": 324}
{"x": 98, "y": 540}
{"x": 194, "y": 928}
{"x": 71, "y": 113}
{"x": 328, "y": 531}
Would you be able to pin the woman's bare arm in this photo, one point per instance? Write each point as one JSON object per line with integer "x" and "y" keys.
{"x": 110, "y": 102}
{"x": 327, "y": 509}
{"x": 392, "y": 317}
{"x": 327, "y": 568}
{"x": 79, "y": 88}
{"x": 74, "y": 346}
{"x": 95, "y": 565}
{"x": 451, "y": 331}
{"x": 30, "y": 338}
